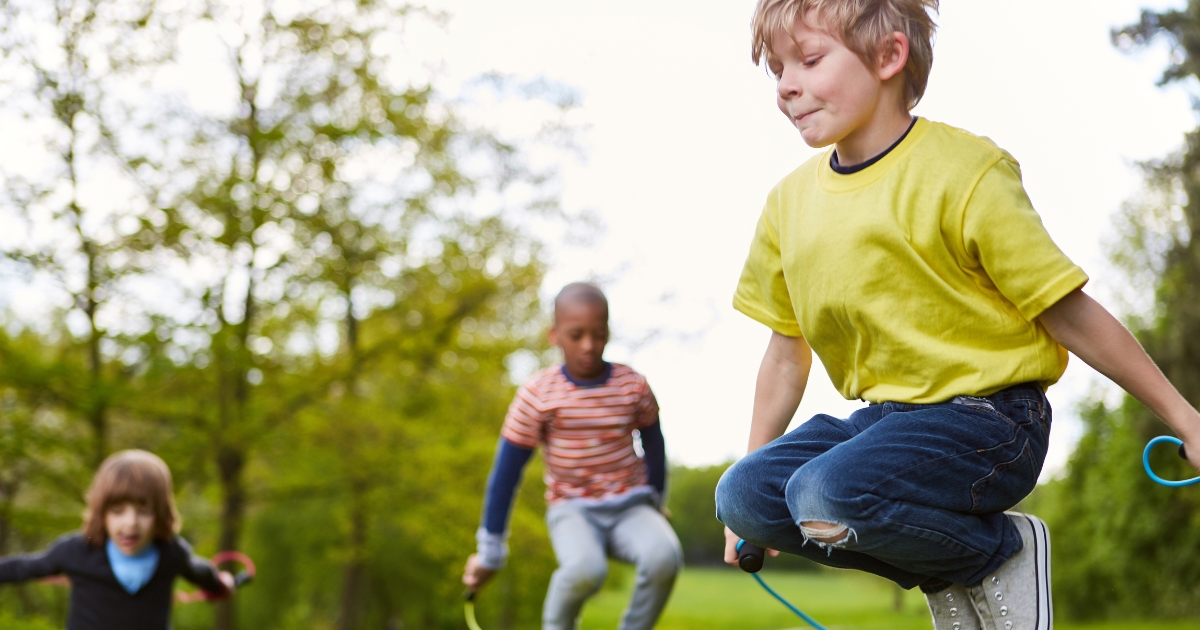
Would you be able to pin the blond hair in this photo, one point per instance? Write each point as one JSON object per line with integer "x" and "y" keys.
{"x": 132, "y": 476}
{"x": 864, "y": 26}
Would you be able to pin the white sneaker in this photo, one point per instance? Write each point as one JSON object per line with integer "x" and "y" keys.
{"x": 953, "y": 609}
{"x": 1017, "y": 595}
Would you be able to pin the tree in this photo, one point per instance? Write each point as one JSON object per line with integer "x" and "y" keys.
{"x": 307, "y": 196}
{"x": 64, "y": 363}
{"x": 70, "y": 242}
{"x": 319, "y": 280}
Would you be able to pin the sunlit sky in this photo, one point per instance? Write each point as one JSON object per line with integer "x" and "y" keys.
{"x": 684, "y": 142}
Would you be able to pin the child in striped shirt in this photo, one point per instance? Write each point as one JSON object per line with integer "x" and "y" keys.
{"x": 603, "y": 499}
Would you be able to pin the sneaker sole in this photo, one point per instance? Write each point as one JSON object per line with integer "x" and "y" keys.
{"x": 1041, "y": 554}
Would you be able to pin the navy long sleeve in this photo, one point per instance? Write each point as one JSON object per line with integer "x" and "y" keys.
{"x": 507, "y": 468}
{"x": 654, "y": 453}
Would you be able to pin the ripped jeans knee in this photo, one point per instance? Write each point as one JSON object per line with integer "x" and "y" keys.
{"x": 828, "y": 535}
{"x": 821, "y": 517}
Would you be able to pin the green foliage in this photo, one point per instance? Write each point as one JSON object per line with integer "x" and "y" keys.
{"x": 305, "y": 305}
{"x": 1117, "y": 536}
{"x": 9, "y": 622}
{"x": 691, "y": 500}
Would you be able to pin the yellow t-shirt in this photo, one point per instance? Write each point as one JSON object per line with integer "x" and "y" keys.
{"x": 916, "y": 279}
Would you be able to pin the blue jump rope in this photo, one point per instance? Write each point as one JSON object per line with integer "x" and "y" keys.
{"x": 1182, "y": 453}
{"x": 750, "y": 556}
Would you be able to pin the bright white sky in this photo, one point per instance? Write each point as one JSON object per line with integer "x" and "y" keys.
{"x": 684, "y": 142}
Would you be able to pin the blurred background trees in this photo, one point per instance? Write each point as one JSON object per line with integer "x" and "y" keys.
{"x": 301, "y": 275}
{"x": 298, "y": 277}
{"x": 1123, "y": 546}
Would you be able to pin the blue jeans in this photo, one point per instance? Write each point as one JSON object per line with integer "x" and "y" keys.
{"x": 920, "y": 489}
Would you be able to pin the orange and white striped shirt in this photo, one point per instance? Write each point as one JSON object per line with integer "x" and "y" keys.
{"x": 587, "y": 430}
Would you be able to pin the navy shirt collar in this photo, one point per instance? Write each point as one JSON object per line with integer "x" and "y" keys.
{"x": 589, "y": 382}
{"x": 850, "y": 170}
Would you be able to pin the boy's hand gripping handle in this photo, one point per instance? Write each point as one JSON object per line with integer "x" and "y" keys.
{"x": 750, "y": 556}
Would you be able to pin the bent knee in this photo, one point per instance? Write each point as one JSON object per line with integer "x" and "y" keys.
{"x": 660, "y": 567}
{"x": 584, "y": 577}
{"x": 734, "y": 498}
{"x": 828, "y": 500}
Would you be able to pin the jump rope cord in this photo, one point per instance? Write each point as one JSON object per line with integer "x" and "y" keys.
{"x": 1166, "y": 482}
{"x": 754, "y": 566}
{"x": 789, "y": 605}
{"x": 469, "y": 611}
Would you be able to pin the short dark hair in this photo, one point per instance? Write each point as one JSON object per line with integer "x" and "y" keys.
{"x": 580, "y": 292}
{"x": 132, "y": 476}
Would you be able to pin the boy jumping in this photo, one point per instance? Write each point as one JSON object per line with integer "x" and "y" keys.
{"x": 603, "y": 499}
{"x": 909, "y": 258}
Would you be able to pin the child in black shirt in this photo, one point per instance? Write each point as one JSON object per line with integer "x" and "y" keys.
{"x": 122, "y": 565}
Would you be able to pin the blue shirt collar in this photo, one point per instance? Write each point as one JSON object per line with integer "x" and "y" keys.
{"x": 133, "y": 572}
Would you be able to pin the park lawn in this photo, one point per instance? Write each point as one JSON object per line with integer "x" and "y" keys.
{"x": 726, "y": 599}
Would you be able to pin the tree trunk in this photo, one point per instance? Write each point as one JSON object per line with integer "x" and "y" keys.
{"x": 96, "y": 400}
{"x": 230, "y": 463}
{"x": 234, "y": 390}
{"x": 354, "y": 575}
{"x": 354, "y": 578}
{"x": 8, "y": 493}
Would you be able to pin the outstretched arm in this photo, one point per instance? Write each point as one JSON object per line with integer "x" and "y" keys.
{"x": 200, "y": 571}
{"x": 782, "y": 377}
{"x": 24, "y": 567}
{"x": 1090, "y": 332}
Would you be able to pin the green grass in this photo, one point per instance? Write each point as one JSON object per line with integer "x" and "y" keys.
{"x": 726, "y": 599}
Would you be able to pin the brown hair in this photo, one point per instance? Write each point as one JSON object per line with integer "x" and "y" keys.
{"x": 862, "y": 25}
{"x": 131, "y": 476}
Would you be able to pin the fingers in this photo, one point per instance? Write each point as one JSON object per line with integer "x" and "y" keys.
{"x": 1193, "y": 455}
{"x": 475, "y": 574}
{"x": 469, "y": 579}
{"x": 731, "y": 541}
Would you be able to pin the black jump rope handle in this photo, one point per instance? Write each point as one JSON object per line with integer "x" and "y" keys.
{"x": 750, "y": 557}
{"x": 1182, "y": 452}
{"x": 242, "y": 578}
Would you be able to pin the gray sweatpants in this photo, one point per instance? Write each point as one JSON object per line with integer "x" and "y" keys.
{"x": 585, "y": 535}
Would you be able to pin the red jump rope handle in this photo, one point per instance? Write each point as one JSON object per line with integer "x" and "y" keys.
{"x": 246, "y": 575}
